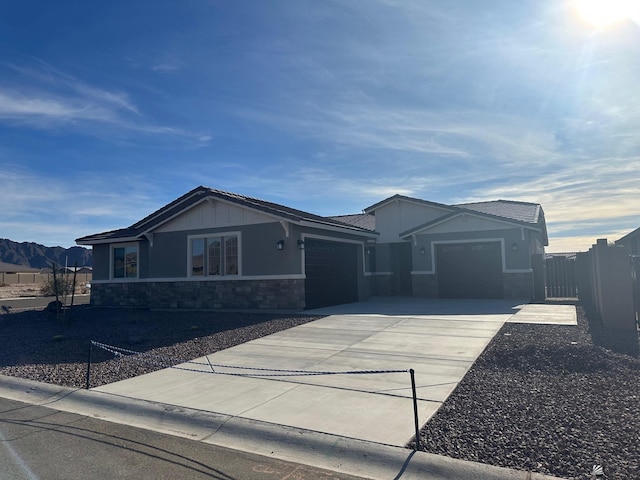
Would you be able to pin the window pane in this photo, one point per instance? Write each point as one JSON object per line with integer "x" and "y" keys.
{"x": 131, "y": 262}
{"x": 231, "y": 255}
{"x": 118, "y": 262}
{"x": 197, "y": 257}
{"x": 214, "y": 256}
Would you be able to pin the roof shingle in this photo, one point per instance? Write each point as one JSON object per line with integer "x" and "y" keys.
{"x": 520, "y": 211}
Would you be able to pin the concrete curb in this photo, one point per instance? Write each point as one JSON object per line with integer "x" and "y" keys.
{"x": 321, "y": 450}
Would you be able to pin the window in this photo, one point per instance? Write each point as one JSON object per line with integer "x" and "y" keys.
{"x": 212, "y": 256}
{"x": 125, "y": 261}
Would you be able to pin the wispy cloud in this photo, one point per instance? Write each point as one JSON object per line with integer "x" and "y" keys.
{"x": 39, "y": 206}
{"x": 465, "y": 134}
{"x": 597, "y": 196}
{"x": 45, "y": 98}
{"x": 37, "y": 108}
{"x": 161, "y": 62}
{"x": 166, "y": 66}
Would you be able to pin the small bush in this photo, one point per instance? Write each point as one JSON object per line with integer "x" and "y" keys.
{"x": 65, "y": 287}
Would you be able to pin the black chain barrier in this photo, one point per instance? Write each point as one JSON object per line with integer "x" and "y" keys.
{"x": 171, "y": 363}
{"x": 168, "y": 362}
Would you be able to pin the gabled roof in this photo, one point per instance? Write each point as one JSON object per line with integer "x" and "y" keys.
{"x": 397, "y": 197}
{"x": 361, "y": 220}
{"x": 449, "y": 216}
{"x": 201, "y": 194}
{"x": 523, "y": 214}
{"x": 628, "y": 236}
{"x": 520, "y": 211}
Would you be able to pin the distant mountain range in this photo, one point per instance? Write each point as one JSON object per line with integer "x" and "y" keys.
{"x": 38, "y": 256}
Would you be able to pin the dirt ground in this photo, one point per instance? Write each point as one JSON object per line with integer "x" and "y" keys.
{"x": 22, "y": 290}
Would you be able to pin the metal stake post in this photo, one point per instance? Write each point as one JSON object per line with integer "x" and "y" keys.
{"x": 89, "y": 366}
{"x": 415, "y": 409}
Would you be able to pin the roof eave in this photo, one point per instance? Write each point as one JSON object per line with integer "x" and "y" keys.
{"x": 187, "y": 196}
{"x": 446, "y": 218}
{"x": 339, "y": 228}
{"x": 88, "y": 241}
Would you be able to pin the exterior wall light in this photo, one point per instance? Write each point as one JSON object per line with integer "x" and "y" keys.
{"x": 422, "y": 251}
{"x": 280, "y": 245}
{"x": 514, "y": 247}
{"x": 301, "y": 244}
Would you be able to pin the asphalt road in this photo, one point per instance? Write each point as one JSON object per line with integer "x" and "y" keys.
{"x": 39, "y": 303}
{"x": 41, "y": 443}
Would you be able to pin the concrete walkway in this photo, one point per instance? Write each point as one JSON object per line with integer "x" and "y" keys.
{"x": 440, "y": 340}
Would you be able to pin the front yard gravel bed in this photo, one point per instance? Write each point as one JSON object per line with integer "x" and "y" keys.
{"x": 541, "y": 398}
{"x": 544, "y": 398}
{"x": 37, "y": 346}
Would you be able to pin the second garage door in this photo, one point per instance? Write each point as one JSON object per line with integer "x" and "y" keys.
{"x": 469, "y": 270}
{"x": 331, "y": 273}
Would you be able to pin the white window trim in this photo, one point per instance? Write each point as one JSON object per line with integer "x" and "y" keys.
{"x": 190, "y": 238}
{"x": 112, "y": 257}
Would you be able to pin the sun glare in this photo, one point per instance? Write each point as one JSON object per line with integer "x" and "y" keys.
{"x": 605, "y": 13}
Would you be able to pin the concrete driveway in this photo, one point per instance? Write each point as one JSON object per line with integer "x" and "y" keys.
{"x": 439, "y": 339}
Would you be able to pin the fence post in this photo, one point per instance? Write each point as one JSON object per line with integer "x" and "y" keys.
{"x": 89, "y": 366}
{"x": 415, "y": 409}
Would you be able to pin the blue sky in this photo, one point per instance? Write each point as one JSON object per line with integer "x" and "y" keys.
{"x": 110, "y": 110}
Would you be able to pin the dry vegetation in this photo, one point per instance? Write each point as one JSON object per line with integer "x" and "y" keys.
{"x": 22, "y": 290}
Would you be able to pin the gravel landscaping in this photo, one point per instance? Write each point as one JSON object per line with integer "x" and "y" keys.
{"x": 37, "y": 346}
{"x": 545, "y": 398}
{"x": 540, "y": 398}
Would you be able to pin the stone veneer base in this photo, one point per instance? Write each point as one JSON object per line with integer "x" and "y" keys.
{"x": 233, "y": 294}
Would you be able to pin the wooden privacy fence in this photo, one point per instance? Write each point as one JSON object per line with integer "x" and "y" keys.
{"x": 635, "y": 277}
{"x": 560, "y": 275}
{"x": 608, "y": 282}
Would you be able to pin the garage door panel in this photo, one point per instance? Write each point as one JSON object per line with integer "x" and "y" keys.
{"x": 331, "y": 273}
{"x": 469, "y": 270}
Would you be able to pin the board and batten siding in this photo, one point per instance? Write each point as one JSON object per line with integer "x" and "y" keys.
{"x": 399, "y": 216}
{"x": 214, "y": 214}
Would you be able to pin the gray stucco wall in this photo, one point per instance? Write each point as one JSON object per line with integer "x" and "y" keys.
{"x": 168, "y": 258}
{"x": 144, "y": 260}
{"x": 259, "y": 254}
{"x": 101, "y": 262}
